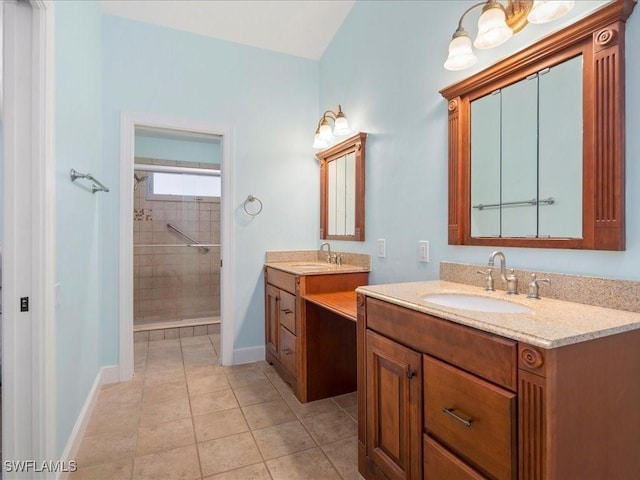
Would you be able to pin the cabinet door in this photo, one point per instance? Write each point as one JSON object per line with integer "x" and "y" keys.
{"x": 272, "y": 323}
{"x": 393, "y": 406}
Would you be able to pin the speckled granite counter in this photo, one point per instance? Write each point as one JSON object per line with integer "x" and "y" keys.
{"x": 313, "y": 262}
{"x": 553, "y": 323}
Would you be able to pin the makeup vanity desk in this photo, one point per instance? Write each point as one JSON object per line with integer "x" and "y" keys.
{"x": 310, "y": 326}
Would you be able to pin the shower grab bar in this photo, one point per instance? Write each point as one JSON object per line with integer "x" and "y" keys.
{"x": 194, "y": 242}
{"x": 96, "y": 187}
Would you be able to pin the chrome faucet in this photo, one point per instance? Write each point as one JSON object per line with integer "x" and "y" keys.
{"x": 329, "y": 251}
{"x": 511, "y": 280}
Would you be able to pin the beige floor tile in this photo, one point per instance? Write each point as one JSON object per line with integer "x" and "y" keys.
{"x": 161, "y": 377}
{"x": 213, "y": 402}
{"x": 343, "y": 454}
{"x": 262, "y": 415}
{"x": 164, "y": 344}
{"x": 347, "y": 400}
{"x": 258, "y": 392}
{"x": 177, "y": 464}
{"x": 106, "y": 447}
{"x": 114, "y": 417}
{"x": 161, "y": 412}
{"x": 283, "y": 439}
{"x": 125, "y": 393}
{"x": 202, "y": 340}
{"x": 353, "y": 412}
{"x": 252, "y": 472}
{"x": 219, "y": 424}
{"x": 165, "y": 436}
{"x": 194, "y": 372}
{"x": 244, "y": 375}
{"x": 304, "y": 410}
{"x": 174, "y": 391}
{"x": 207, "y": 384}
{"x": 117, "y": 470}
{"x": 330, "y": 427}
{"x": 229, "y": 453}
{"x": 201, "y": 359}
{"x": 310, "y": 464}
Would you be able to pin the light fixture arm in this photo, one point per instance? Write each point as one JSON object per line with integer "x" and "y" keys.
{"x": 460, "y": 27}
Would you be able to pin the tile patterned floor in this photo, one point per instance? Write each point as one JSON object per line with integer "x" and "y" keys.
{"x": 186, "y": 417}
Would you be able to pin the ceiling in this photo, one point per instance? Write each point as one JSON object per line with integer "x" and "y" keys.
{"x": 296, "y": 27}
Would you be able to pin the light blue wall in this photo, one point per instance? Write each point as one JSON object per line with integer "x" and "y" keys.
{"x": 78, "y": 140}
{"x": 385, "y": 67}
{"x": 271, "y": 102}
{"x": 178, "y": 150}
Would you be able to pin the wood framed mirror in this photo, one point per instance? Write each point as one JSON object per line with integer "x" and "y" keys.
{"x": 596, "y": 45}
{"x": 342, "y": 189}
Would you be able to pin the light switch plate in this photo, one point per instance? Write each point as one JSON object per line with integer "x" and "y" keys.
{"x": 381, "y": 247}
{"x": 423, "y": 251}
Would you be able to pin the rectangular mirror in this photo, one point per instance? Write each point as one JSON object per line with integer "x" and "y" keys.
{"x": 526, "y": 157}
{"x": 537, "y": 142}
{"x": 342, "y": 190}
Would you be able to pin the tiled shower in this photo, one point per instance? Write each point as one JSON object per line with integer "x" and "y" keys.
{"x": 173, "y": 282}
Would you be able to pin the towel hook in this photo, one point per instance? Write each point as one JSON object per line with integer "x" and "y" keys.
{"x": 251, "y": 199}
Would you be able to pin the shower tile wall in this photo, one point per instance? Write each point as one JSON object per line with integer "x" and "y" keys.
{"x": 175, "y": 283}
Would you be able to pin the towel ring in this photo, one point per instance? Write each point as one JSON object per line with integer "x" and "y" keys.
{"x": 251, "y": 199}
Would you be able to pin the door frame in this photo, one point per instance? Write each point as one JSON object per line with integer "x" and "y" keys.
{"x": 29, "y": 359}
{"x": 129, "y": 121}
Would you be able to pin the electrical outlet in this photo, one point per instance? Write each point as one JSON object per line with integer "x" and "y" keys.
{"x": 423, "y": 251}
{"x": 382, "y": 248}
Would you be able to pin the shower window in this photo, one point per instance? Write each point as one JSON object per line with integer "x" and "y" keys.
{"x": 183, "y": 186}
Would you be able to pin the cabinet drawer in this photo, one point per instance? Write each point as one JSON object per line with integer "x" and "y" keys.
{"x": 288, "y": 311}
{"x": 440, "y": 464}
{"x": 474, "y": 418}
{"x": 486, "y": 355}
{"x": 283, "y": 280}
{"x": 288, "y": 354}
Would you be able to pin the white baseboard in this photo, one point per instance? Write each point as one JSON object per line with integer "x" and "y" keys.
{"x": 248, "y": 355}
{"x": 106, "y": 375}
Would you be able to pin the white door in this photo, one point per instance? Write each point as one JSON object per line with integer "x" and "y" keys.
{"x": 28, "y": 337}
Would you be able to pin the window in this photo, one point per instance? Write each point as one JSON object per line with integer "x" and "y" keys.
{"x": 183, "y": 186}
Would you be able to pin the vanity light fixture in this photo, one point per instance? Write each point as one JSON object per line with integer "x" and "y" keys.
{"x": 324, "y": 134}
{"x": 498, "y": 23}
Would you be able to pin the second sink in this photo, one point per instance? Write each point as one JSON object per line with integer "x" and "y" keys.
{"x": 476, "y": 303}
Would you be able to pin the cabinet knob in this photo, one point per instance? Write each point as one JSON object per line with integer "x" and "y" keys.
{"x": 411, "y": 374}
{"x": 287, "y": 351}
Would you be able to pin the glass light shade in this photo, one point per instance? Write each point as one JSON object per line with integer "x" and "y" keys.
{"x": 319, "y": 142}
{"x": 325, "y": 132}
{"x": 492, "y": 29}
{"x": 546, "y": 11}
{"x": 342, "y": 126}
{"x": 461, "y": 55}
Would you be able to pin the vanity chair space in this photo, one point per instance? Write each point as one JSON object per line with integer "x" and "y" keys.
{"x": 310, "y": 315}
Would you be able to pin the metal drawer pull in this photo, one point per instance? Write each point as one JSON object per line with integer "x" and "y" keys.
{"x": 450, "y": 411}
{"x": 287, "y": 351}
{"x": 286, "y": 311}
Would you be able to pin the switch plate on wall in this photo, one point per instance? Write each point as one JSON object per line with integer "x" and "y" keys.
{"x": 381, "y": 248}
{"x": 423, "y": 251}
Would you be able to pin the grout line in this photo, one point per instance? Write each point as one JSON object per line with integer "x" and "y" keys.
{"x": 193, "y": 425}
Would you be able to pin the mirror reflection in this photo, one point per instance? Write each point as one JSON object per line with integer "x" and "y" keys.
{"x": 342, "y": 190}
{"x": 526, "y": 157}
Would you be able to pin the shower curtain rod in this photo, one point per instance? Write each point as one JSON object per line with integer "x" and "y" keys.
{"x": 171, "y": 169}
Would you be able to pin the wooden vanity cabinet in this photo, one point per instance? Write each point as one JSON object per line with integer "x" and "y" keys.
{"x": 487, "y": 407}
{"x": 313, "y": 349}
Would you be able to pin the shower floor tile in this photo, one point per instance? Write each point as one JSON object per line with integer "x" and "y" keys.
{"x": 187, "y": 415}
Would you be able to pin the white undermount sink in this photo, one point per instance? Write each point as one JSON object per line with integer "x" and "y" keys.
{"x": 475, "y": 303}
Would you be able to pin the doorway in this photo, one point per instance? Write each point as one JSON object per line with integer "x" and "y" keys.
{"x": 220, "y": 248}
{"x": 176, "y": 234}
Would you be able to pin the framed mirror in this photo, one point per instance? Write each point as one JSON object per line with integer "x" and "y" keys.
{"x": 536, "y": 142}
{"x": 342, "y": 189}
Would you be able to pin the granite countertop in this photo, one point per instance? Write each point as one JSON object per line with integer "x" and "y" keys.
{"x": 315, "y": 268}
{"x": 551, "y": 324}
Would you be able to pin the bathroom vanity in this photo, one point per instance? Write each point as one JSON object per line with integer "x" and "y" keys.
{"x": 310, "y": 325}
{"x": 451, "y": 393}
